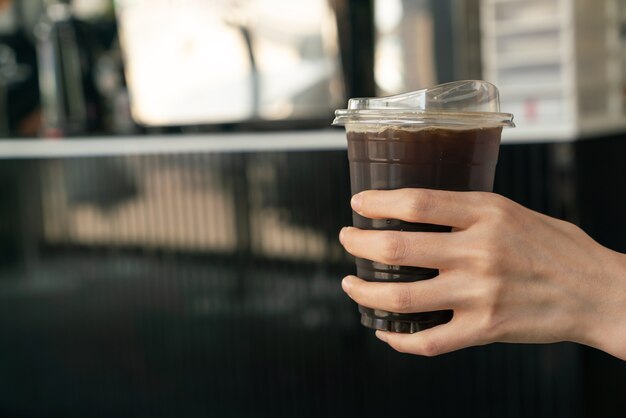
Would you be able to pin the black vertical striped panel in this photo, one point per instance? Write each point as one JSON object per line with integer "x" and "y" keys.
{"x": 198, "y": 285}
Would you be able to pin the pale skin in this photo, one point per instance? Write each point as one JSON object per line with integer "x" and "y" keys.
{"x": 509, "y": 274}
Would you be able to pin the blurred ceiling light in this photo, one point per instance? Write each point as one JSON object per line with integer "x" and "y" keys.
{"x": 405, "y": 45}
{"x": 389, "y": 59}
{"x": 389, "y": 66}
{"x": 90, "y": 9}
{"x": 387, "y": 15}
{"x": 295, "y": 17}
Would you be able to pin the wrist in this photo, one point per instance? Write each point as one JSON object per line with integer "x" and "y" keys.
{"x": 605, "y": 322}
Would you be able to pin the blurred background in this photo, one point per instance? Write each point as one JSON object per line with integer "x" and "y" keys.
{"x": 171, "y": 194}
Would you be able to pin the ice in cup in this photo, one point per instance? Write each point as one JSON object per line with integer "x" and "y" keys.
{"x": 446, "y": 137}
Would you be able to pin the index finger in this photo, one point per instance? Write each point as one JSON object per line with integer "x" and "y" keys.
{"x": 439, "y": 207}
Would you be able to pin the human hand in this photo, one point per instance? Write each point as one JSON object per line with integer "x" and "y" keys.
{"x": 509, "y": 274}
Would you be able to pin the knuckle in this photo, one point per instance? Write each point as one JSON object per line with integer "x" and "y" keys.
{"x": 491, "y": 324}
{"x": 491, "y": 253}
{"x": 490, "y": 260}
{"x": 420, "y": 201}
{"x": 495, "y": 293}
{"x": 430, "y": 347}
{"x": 489, "y": 293}
{"x": 402, "y": 299}
{"x": 393, "y": 248}
{"x": 500, "y": 210}
{"x": 482, "y": 257}
{"x": 364, "y": 294}
{"x": 492, "y": 318}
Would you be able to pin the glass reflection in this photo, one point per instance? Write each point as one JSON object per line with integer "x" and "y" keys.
{"x": 228, "y": 61}
{"x": 420, "y": 43}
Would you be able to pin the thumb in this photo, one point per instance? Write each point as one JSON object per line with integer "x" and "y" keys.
{"x": 441, "y": 339}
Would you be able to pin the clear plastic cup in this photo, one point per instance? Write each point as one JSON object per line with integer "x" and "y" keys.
{"x": 446, "y": 137}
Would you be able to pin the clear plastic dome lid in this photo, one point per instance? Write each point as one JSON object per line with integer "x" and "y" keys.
{"x": 469, "y": 103}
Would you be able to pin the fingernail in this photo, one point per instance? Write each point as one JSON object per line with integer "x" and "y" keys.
{"x": 381, "y": 335}
{"x": 356, "y": 202}
{"x": 342, "y": 234}
{"x": 346, "y": 284}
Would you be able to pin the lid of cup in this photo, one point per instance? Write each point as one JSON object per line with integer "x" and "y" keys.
{"x": 468, "y": 103}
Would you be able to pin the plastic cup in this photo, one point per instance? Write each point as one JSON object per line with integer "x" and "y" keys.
{"x": 446, "y": 137}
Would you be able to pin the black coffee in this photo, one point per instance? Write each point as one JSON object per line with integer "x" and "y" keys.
{"x": 462, "y": 159}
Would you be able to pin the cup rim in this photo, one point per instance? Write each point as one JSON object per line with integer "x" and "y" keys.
{"x": 422, "y": 117}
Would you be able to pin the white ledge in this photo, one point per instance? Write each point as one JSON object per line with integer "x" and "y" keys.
{"x": 172, "y": 144}
{"x": 328, "y": 139}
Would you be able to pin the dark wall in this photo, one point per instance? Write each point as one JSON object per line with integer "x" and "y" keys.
{"x": 126, "y": 308}
{"x": 601, "y": 178}
{"x": 9, "y": 213}
{"x": 601, "y": 181}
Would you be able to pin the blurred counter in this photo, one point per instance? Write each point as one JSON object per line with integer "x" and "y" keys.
{"x": 320, "y": 140}
{"x": 161, "y": 144}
